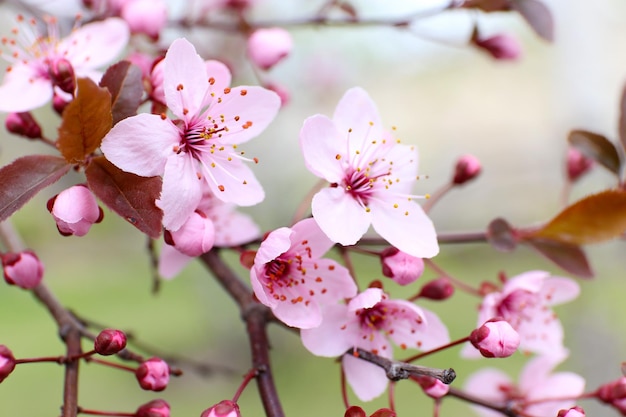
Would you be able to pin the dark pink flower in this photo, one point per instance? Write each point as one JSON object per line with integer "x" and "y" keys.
{"x": 268, "y": 46}
{"x": 224, "y": 408}
{"x": 437, "y": 289}
{"x": 110, "y": 342}
{"x": 7, "y": 362}
{"x": 23, "y": 124}
{"x": 154, "y": 408}
{"x": 467, "y": 168}
{"x": 495, "y": 339}
{"x": 401, "y": 267}
{"x": 23, "y": 269}
{"x": 153, "y": 374}
{"x": 75, "y": 210}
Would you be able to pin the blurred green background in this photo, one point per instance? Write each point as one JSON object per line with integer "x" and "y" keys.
{"x": 447, "y": 99}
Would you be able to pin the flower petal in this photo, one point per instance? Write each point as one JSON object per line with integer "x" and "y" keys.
{"x": 181, "y": 192}
{"x": 24, "y": 90}
{"x": 332, "y": 281}
{"x": 540, "y": 331}
{"x": 356, "y": 113}
{"x": 171, "y": 262}
{"x": 220, "y": 74}
{"x": 367, "y": 380}
{"x": 275, "y": 244}
{"x": 232, "y": 181}
{"x": 341, "y": 218}
{"x": 323, "y": 148}
{"x": 487, "y": 384}
{"x": 308, "y": 235}
{"x": 557, "y": 290}
{"x": 334, "y": 336}
{"x": 300, "y": 315}
{"x": 366, "y": 299}
{"x": 95, "y": 44}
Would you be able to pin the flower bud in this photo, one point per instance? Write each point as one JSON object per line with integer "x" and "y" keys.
{"x": 153, "y": 374}
{"x": 611, "y": 391}
{"x": 23, "y": 124}
{"x": 195, "y": 237}
{"x": 495, "y": 339}
{"x": 267, "y": 47}
{"x": 572, "y": 412}
{"x": 145, "y": 16}
{"x": 109, "y": 342}
{"x": 577, "y": 164}
{"x": 23, "y": 269}
{"x": 401, "y": 267}
{"x": 59, "y": 104}
{"x": 154, "y": 408}
{"x": 62, "y": 74}
{"x": 432, "y": 387}
{"x": 438, "y": 289}
{"x": 355, "y": 411}
{"x": 467, "y": 168}
{"x": 384, "y": 412}
{"x": 224, "y": 408}
{"x": 7, "y": 362}
{"x": 75, "y": 210}
{"x": 500, "y": 47}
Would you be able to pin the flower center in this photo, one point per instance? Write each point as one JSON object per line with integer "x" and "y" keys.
{"x": 515, "y": 307}
{"x": 372, "y": 318}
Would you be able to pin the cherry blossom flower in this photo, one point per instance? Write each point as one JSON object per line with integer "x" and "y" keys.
{"x": 269, "y": 46}
{"x": 367, "y": 322}
{"x": 538, "y": 393}
{"x": 525, "y": 302}
{"x": 291, "y": 278}
{"x": 39, "y": 62}
{"x": 199, "y": 146}
{"x": 370, "y": 175}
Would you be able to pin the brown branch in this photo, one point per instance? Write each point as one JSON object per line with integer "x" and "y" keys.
{"x": 505, "y": 409}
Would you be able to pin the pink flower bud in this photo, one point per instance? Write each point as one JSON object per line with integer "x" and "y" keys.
{"x": 154, "y": 408}
{"x": 437, "y": 289}
{"x": 401, "y": 267}
{"x": 432, "y": 387}
{"x": 75, "y": 210}
{"x": 495, "y": 339}
{"x": 355, "y": 411}
{"x": 153, "y": 374}
{"x": 195, "y": 237}
{"x": 109, "y": 342}
{"x": 467, "y": 168}
{"x": 23, "y": 124}
{"x": 611, "y": 391}
{"x": 572, "y": 412}
{"x": 501, "y": 47}
{"x": 145, "y": 16}
{"x": 384, "y": 412}
{"x": 224, "y": 408}
{"x": 267, "y": 47}
{"x": 23, "y": 269}
{"x": 577, "y": 164}
{"x": 59, "y": 104}
{"x": 282, "y": 92}
{"x": 62, "y": 74}
{"x": 7, "y": 362}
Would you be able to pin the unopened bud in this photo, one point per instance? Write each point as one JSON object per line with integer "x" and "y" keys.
{"x": 154, "y": 408}
{"x": 432, "y": 387}
{"x": 75, "y": 210}
{"x": 7, "y": 362}
{"x": 153, "y": 374}
{"x": 195, "y": 237}
{"x": 401, "y": 267}
{"x": 355, "y": 411}
{"x": 572, "y": 412}
{"x": 495, "y": 339}
{"x": 577, "y": 164}
{"x": 110, "y": 342}
{"x": 224, "y": 408}
{"x": 384, "y": 412}
{"x": 23, "y": 124}
{"x": 611, "y": 391}
{"x": 501, "y": 47}
{"x": 62, "y": 74}
{"x": 23, "y": 269}
{"x": 267, "y": 47}
{"x": 467, "y": 168}
{"x": 145, "y": 16}
{"x": 59, "y": 104}
{"x": 438, "y": 289}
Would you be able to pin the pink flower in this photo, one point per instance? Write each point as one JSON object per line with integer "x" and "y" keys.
{"x": 367, "y": 322}
{"x": 145, "y": 16}
{"x": 75, "y": 210}
{"x": 525, "y": 302}
{"x": 432, "y": 387}
{"x": 269, "y": 46}
{"x": 539, "y": 392}
{"x": 23, "y": 269}
{"x": 153, "y": 374}
{"x": 224, "y": 408}
{"x": 495, "y": 339}
{"x": 154, "y": 408}
{"x": 200, "y": 145}
{"x": 109, "y": 342}
{"x": 195, "y": 237}
{"x": 291, "y": 278}
{"x": 371, "y": 177}
{"x": 39, "y": 62}
{"x": 401, "y": 267}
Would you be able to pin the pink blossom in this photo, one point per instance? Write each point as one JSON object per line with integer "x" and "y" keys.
{"x": 368, "y": 321}
{"x": 200, "y": 145}
{"x": 269, "y": 46}
{"x": 153, "y": 374}
{"x": 224, "y": 408}
{"x": 23, "y": 269}
{"x": 36, "y": 60}
{"x": 401, "y": 267}
{"x": 525, "y": 301}
{"x": 538, "y": 393}
{"x": 495, "y": 339}
{"x": 195, "y": 237}
{"x": 370, "y": 175}
{"x": 75, "y": 209}
{"x": 291, "y": 278}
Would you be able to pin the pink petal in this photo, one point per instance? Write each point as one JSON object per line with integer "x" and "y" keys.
{"x": 321, "y": 143}
{"x": 96, "y": 44}
{"x": 233, "y": 228}
{"x": 412, "y": 233}
{"x": 185, "y": 80}
{"x": 307, "y": 234}
{"x": 24, "y": 90}
{"x": 530, "y": 281}
{"x": 126, "y": 148}
{"x": 248, "y": 111}
{"x": 405, "y": 166}
{"x": 540, "y": 332}
{"x": 485, "y": 384}
{"x": 367, "y": 299}
{"x": 559, "y": 385}
{"x": 274, "y": 245}
{"x": 233, "y": 182}
{"x": 557, "y": 290}
{"x": 256, "y": 274}
{"x": 539, "y": 368}
{"x": 342, "y": 219}
{"x": 171, "y": 262}
{"x": 356, "y": 112}
{"x": 335, "y": 281}
{"x": 300, "y": 315}
{"x": 367, "y": 380}
{"x": 220, "y": 73}
{"x": 181, "y": 192}
{"x": 332, "y": 337}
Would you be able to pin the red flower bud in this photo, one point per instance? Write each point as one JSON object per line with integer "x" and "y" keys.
{"x": 153, "y": 374}
{"x": 62, "y": 74}
{"x": 355, "y": 411}
{"x": 577, "y": 164}
{"x": 59, "y": 104}
{"x": 154, "y": 408}
{"x": 437, "y": 289}
{"x": 7, "y": 362}
{"x": 224, "y": 408}
{"x": 23, "y": 124}
{"x": 109, "y": 342}
{"x": 495, "y": 339}
{"x": 23, "y": 269}
{"x": 401, "y": 267}
{"x": 467, "y": 168}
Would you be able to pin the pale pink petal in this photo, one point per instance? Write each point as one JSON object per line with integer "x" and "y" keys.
{"x": 300, "y": 315}
{"x": 233, "y": 228}
{"x": 367, "y": 299}
{"x": 23, "y": 90}
{"x": 559, "y": 385}
{"x": 171, "y": 262}
{"x": 126, "y": 148}
{"x": 539, "y": 369}
{"x": 540, "y": 331}
{"x": 307, "y": 234}
{"x": 233, "y": 182}
{"x": 486, "y": 384}
{"x": 334, "y": 336}
{"x": 181, "y": 192}
{"x": 436, "y": 331}
{"x": 530, "y": 281}
{"x": 274, "y": 245}
{"x": 367, "y": 380}
{"x": 259, "y": 288}
{"x": 357, "y": 113}
{"x": 185, "y": 80}
{"x": 323, "y": 148}
{"x": 557, "y": 290}
{"x": 406, "y": 227}
{"x": 95, "y": 44}
{"x": 248, "y": 110}
{"x": 341, "y": 218}
{"x": 220, "y": 74}
{"x": 335, "y": 282}
{"x": 405, "y": 166}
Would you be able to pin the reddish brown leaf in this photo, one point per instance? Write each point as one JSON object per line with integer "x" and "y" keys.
{"x": 567, "y": 256}
{"x": 501, "y": 235}
{"x": 596, "y": 147}
{"x": 129, "y": 195}
{"x": 593, "y": 219}
{"x": 85, "y": 121}
{"x": 123, "y": 80}
{"x": 538, "y": 17}
{"x": 622, "y": 119}
{"x": 25, "y": 177}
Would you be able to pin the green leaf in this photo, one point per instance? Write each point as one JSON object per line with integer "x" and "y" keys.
{"x": 25, "y": 177}
{"x": 123, "y": 80}
{"x": 596, "y": 147}
{"x": 538, "y": 17}
{"x": 85, "y": 121}
{"x": 569, "y": 257}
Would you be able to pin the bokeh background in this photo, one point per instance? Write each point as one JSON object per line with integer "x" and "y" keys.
{"x": 445, "y": 97}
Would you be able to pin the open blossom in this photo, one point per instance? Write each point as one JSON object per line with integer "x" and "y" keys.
{"x": 199, "y": 146}
{"x": 41, "y": 62}
{"x": 525, "y": 301}
{"x": 291, "y": 278}
{"x": 532, "y": 395}
{"x": 370, "y": 176}
{"x": 368, "y": 321}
